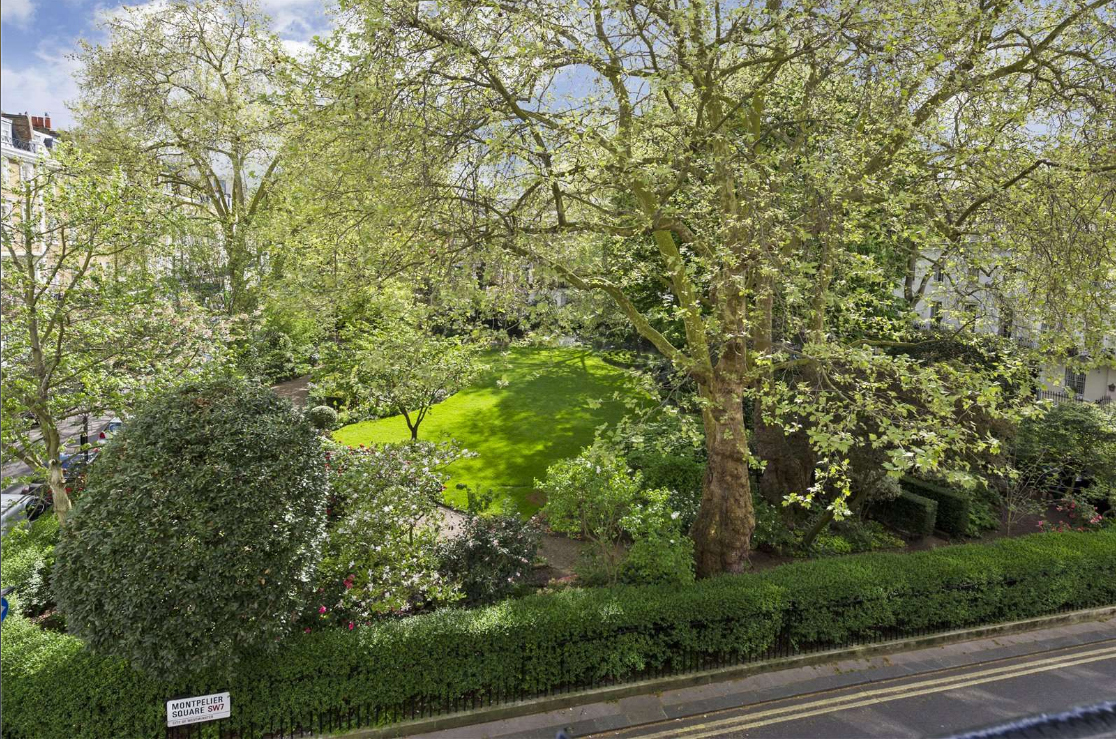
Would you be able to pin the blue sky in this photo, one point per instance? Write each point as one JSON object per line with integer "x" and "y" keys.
{"x": 36, "y": 37}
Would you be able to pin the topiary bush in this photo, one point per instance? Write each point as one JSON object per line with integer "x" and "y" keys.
{"x": 953, "y": 505}
{"x": 322, "y": 417}
{"x": 909, "y": 513}
{"x": 200, "y": 529}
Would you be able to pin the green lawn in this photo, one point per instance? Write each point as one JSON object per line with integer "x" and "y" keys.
{"x": 533, "y": 407}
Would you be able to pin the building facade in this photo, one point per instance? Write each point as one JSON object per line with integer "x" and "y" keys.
{"x": 957, "y": 297}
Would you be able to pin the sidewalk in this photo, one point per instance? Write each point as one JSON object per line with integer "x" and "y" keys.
{"x": 607, "y": 716}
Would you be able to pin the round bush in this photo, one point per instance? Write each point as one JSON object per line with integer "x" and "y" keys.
{"x": 199, "y": 532}
{"x": 322, "y": 417}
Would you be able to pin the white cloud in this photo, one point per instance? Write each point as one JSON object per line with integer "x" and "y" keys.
{"x": 17, "y": 12}
{"x": 298, "y": 19}
{"x": 43, "y": 85}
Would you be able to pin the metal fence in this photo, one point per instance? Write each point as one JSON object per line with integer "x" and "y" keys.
{"x": 356, "y": 715}
{"x": 1060, "y": 396}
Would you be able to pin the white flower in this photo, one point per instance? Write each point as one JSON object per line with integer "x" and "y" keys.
{"x": 674, "y": 516}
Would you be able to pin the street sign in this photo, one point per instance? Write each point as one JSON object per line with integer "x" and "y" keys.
{"x": 182, "y": 711}
{"x": 3, "y": 608}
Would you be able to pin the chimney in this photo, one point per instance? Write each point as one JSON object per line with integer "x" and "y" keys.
{"x": 42, "y": 121}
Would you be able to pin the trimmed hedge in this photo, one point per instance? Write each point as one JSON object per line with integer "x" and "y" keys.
{"x": 909, "y": 513}
{"x": 953, "y": 506}
{"x": 54, "y": 687}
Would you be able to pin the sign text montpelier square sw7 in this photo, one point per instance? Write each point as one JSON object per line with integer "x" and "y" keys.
{"x": 203, "y": 708}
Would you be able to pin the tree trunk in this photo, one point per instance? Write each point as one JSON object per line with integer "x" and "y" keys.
{"x": 722, "y": 532}
{"x": 55, "y": 479}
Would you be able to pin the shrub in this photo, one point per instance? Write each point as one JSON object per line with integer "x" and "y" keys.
{"x": 984, "y": 511}
{"x": 322, "y": 417}
{"x": 567, "y": 639}
{"x": 771, "y": 533}
{"x": 381, "y": 554}
{"x": 661, "y": 553}
{"x": 28, "y": 563}
{"x": 491, "y": 556}
{"x": 909, "y": 513}
{"x": 681, "y": 473}
{"x": 953, "y": 505}
{"x": 199, "y": 530}
{"x": 589, "y": 496}
{"x": 853, "y": 536}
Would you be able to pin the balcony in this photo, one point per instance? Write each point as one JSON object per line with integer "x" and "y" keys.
{"x": 15, "y": 143}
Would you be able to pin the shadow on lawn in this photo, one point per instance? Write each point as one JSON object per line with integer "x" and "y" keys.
{"x": 550, "y": 409}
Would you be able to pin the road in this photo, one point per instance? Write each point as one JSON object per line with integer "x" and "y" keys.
{"x": 70, "y": 429}
{"x": 930, "y": 692}
{"x": 931, "y": 704}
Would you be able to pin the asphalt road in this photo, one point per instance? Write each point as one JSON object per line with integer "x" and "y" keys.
{"x": 70, "y": 430}
{"x": 930, "y": 704}
{"x": 932, "y": 691}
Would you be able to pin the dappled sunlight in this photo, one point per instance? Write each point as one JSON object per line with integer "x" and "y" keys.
{"x": 531, "y": 408}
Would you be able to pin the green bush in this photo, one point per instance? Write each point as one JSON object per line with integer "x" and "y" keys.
{"x": 661, "y": 553}
{"x": 322, "y": 417}
{"x": 492, "y": 556}
{"x": 26, "y": 547}
{"x": 909, "y": 514}
{"x": 199, "y": 530}
{"x": 558, "y": 640}
{"x": 681, "y": 473}
{"x": 953, "y": 505}
{"x": 28, "y": 563}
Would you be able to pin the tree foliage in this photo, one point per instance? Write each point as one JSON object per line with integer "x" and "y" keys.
{"x": 181, "y": 91}
{"x": 772, "y": 159}
{"x": 87, "y": 327}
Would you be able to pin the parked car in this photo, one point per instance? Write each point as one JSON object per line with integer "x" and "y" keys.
{"x": 109, "y": 429}
{"x": 23, "y": 503}
{"x": 74, "y": 465}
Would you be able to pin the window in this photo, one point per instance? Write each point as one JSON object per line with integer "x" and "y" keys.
{"x": 1006, "y": 323}
{"x": 937, "y": 273}
{"x": 936, "y": 312}
{"x": 1075, "y": 381}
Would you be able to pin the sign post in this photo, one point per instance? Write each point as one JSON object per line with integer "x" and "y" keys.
{"x": 182, "y": 711}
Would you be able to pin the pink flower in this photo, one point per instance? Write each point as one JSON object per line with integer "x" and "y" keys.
{"x": 322, "y": 609}
{"x": 350, "y": 626}
{"x": 306, "y": 630}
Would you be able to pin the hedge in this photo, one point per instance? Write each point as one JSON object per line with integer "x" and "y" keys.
{"x": 909, "y": 513}
{"x": 54, "y": 687}
{"x": 953, "y": 505}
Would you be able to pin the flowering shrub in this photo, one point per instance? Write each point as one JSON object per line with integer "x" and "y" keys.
{"x": 381, "y": 554}
{"x": 1082, "y": 514}
{"x": 491, "y": 557}
{"x": 661, "y": 553}
{"x": 595, "y": 496}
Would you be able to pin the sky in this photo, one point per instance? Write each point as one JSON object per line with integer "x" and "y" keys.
{"x": 38, "y": 36}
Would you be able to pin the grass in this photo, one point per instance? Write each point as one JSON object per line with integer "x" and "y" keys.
{"x": 531, "y": 408}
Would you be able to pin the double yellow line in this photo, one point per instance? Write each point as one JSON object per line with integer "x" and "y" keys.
{"x": 798, "y": 711}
